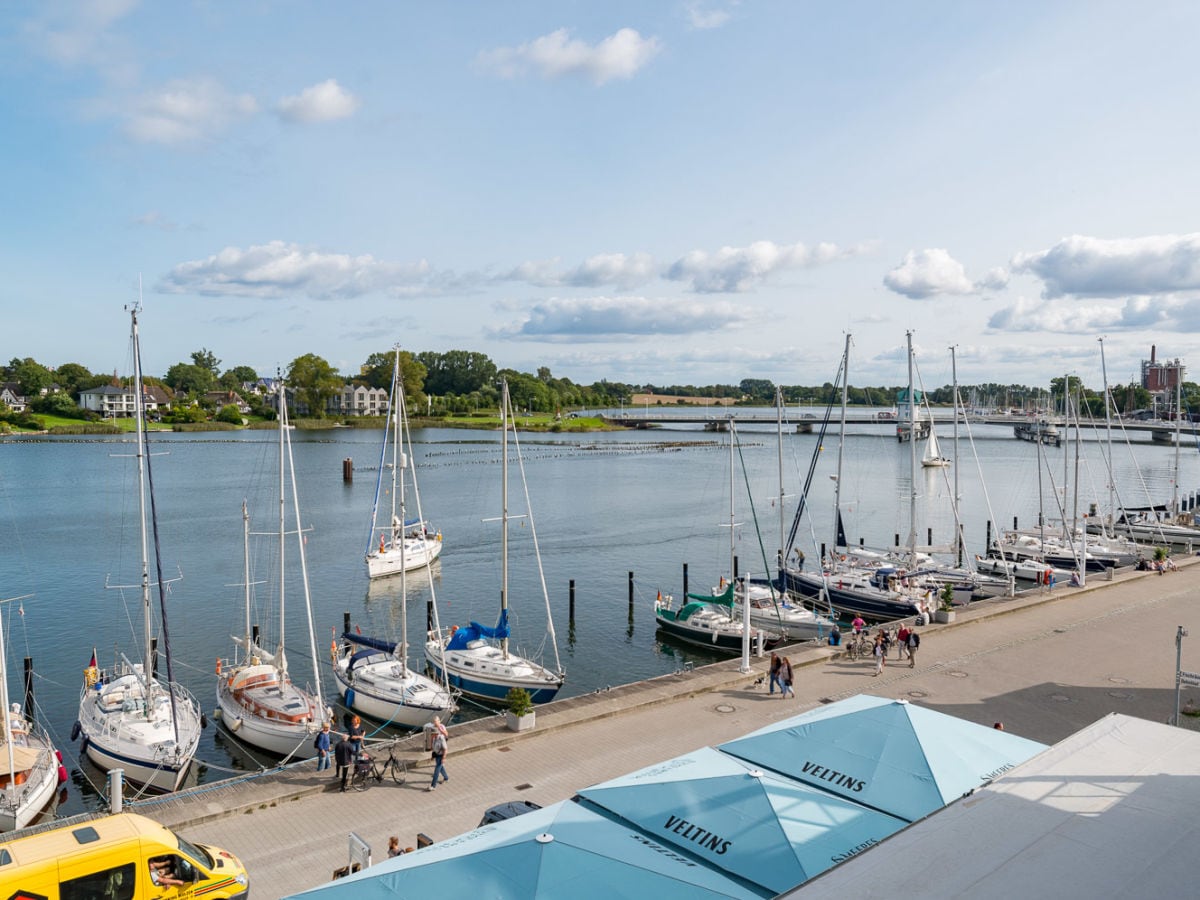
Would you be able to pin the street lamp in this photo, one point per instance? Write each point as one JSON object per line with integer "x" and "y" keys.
{"x": 1180, "y": 675}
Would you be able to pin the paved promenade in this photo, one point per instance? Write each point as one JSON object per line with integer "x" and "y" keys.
{"x": 1044, "y": 666}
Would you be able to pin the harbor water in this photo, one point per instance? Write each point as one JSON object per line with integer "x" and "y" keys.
{"x": 604, "y": 505}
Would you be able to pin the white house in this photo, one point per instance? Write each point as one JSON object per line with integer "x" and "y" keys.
{"x": 117, "y": 401}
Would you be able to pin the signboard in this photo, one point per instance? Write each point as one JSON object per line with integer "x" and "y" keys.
{"x": 360, "y": 853}
{"x": 1192, "y": 678}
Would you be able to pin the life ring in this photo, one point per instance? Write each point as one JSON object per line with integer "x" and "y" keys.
{"x": 75, "y": 729}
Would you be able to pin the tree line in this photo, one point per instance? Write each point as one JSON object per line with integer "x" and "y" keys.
{"x": 460, "y": 382}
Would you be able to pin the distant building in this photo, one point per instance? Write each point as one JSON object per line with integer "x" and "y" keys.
{"x": 351, "y": 400}
{"x": 1161, "y": 377}
{"x": 221, "y": 399}
{"x": 11, "y": 396}
{"x": 118, "y": 401}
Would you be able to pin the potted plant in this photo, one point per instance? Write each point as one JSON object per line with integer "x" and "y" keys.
{"x": 520, "y": 714}
{"x": 945, "y": 612}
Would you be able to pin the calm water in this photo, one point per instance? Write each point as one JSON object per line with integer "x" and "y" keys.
{"x": 604, "y": 505}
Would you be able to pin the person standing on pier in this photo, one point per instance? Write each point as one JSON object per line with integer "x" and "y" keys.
{"x": 774, "y": 672}
{"x": 902, "y": 641}
{"x": 344, "y": 755}
{"x": 878, "y": 651}
{"x": 323, "y": 748}
{"x": 356, "y": 735}
{"x": 785, "y": 678}
{"x": 439, "y": 756}
{"x": 914, "y": 641}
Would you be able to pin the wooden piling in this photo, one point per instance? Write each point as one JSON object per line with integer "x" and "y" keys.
{"x": 348, "y": 469}
{"x": 571, "y": 603}
{"x": 631, "y": 596}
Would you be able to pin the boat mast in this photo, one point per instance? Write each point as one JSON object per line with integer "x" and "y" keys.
{"x": 837, "y": 485}
{"x": 958, "y": 537}
{"x": 8, "y": 738}
{"x": 912, "y": 459}
{"x": 732, "y": 520}
{"x": 246, "y": 569}
{"x": 400, "y": 459}
{"x": 504, "y": 410}
{"x": 1112, "y": 509}
{"x": 283, "y": 427}
{"x": 1178, "y": 417}
{"x": 782, "y": 495}
{"x": 139, "y": 415}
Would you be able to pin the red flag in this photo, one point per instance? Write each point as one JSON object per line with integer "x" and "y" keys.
{"x": 92, "y": 664}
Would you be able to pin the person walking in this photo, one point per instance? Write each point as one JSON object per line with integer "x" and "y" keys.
{"x": 322, "y": 744}
{"x": 878, "y": 651}
{"x": 902, "y": 641}
{"x": 776, "y": 664}
{"x": 439, "y": 756}
{"x": 914, "y": 641}
{"x": 785, "y": 678}
{"x": 344, "y": 755}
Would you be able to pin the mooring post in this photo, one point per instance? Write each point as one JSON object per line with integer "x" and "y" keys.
{"x": 348, "y": 469}
{"x": 735, "y": 568}
{"x": 571, "y": 603}
{"x": 897, "y": 539}
{"x": 116, "y": 790}
{"x": 685, "y": 587}
{"x": 988, "y": 544}
{"x": 631, "y": 595}
{"x": 929, "y": 537}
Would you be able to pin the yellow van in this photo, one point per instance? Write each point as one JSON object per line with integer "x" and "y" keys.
{"x": 122, "y": 857}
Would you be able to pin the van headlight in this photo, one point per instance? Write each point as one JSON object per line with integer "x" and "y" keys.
{"x": 242, "y": 879}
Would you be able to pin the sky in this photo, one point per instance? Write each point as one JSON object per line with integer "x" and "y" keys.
{"x": 674, "y": 192}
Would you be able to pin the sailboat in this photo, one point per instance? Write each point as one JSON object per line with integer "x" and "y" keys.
{"x": 718, "y": 620}
{"x": 401, "y": 545}
{"x": 933, "y": 457}
{"x": 30, "y": 767}
{"x": 256, "y": 698}
{"x": 128, "y": 718}
{"x": 476, "y": 659}
{"x": 372, "y": 673}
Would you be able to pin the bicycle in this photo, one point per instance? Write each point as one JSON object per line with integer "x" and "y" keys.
{"x": 858, "y": 646}
{"x": 368, "y": 769}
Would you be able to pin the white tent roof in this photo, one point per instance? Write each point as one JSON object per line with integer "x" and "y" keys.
{"x": 1108, "y": 812}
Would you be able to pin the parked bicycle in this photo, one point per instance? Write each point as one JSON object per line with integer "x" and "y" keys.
{"x": 368, "y": 769}
{"x": 858, "y": 646}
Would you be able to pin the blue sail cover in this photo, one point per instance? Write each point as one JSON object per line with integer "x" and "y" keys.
{"x": 363, "y": 641}
{"x": 473, "y": 632}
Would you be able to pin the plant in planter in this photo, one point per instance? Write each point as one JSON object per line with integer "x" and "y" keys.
{"x": 945, "y": 611}
{"x": 520, "y": 714}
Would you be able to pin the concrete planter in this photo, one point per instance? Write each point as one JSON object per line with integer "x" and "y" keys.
{"x": 943, "y": 616}
{"x": 521, "y": 723}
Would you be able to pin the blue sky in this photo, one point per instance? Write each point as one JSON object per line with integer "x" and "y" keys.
{"x": 669, "y": 192}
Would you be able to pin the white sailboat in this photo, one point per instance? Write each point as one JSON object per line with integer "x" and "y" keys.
{"x": 475, "y": 659}
{"x": 933, "y": 457}
{"x": 30, "y": 767}
{"x": 399, "y": 545}
{"x": 128, "y": 718}
{"x": 256, "y": 698}
{"x": 372, "y": 673}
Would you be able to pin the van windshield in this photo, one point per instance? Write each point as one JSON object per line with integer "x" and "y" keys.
{"x": 196, "y": 853}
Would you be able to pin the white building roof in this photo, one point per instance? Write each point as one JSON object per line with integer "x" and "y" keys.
{"x": 1109, "y": 812}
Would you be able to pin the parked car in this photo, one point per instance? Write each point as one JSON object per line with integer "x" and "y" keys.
{"x": 502, "y": 811}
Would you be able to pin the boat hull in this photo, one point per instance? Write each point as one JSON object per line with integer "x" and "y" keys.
{"x": 255, "y": 719}
{"x": 418, "y": 553}
{"x": 484, "y": 673}
{"x": 117, "y": 735}
{"x": 863, "y": 603}
{"x": 36, "y": 792}
{"x": 399, "y": 697}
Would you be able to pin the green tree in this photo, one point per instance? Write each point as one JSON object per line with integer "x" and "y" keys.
{"x": 456, "y": 371}
{"x": 229, "y": 414}
{"x": 189, "y": 378}
{"x": 32, "y": 377}
{"x": 73, "y": 378}
{"x": 233, "y": 379}
{"x": 314, "y": 381}
{"x": 376, "y": 372}
{"x": 205, "y": 359}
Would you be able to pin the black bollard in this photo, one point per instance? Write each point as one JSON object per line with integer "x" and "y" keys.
{"x": 897, "y": 539}
{"x": 1014, "y": 523}
{"x": 631, "y": 596}
{"x": 685, "y": 586}
{"x": 929, "y": 537}
{"x": 571, "y": 603}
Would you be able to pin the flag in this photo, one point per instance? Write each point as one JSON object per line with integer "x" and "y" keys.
{"x": 92, "y": 664}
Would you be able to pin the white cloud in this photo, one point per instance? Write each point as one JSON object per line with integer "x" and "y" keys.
{"x": 322, "y": 102}
{"x": 737, "y": 269}
{"x": 703, "y": 16}
{"x": 928, "y": 273}
{"x": 82, "y": 34}
{"x": 1095, "y": 267}
{"x": 605, "y": 318}
{"x": 617, "y": 269}
{"x": 279, "y": 269}
{"x": 993, "y": 280}
{"x": 1087, "y": 318}
{"x": 554, "y": 55}
{"x": 187, "y": 110}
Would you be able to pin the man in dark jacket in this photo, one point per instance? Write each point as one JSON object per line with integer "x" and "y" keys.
{"x": 343, "y": 755}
